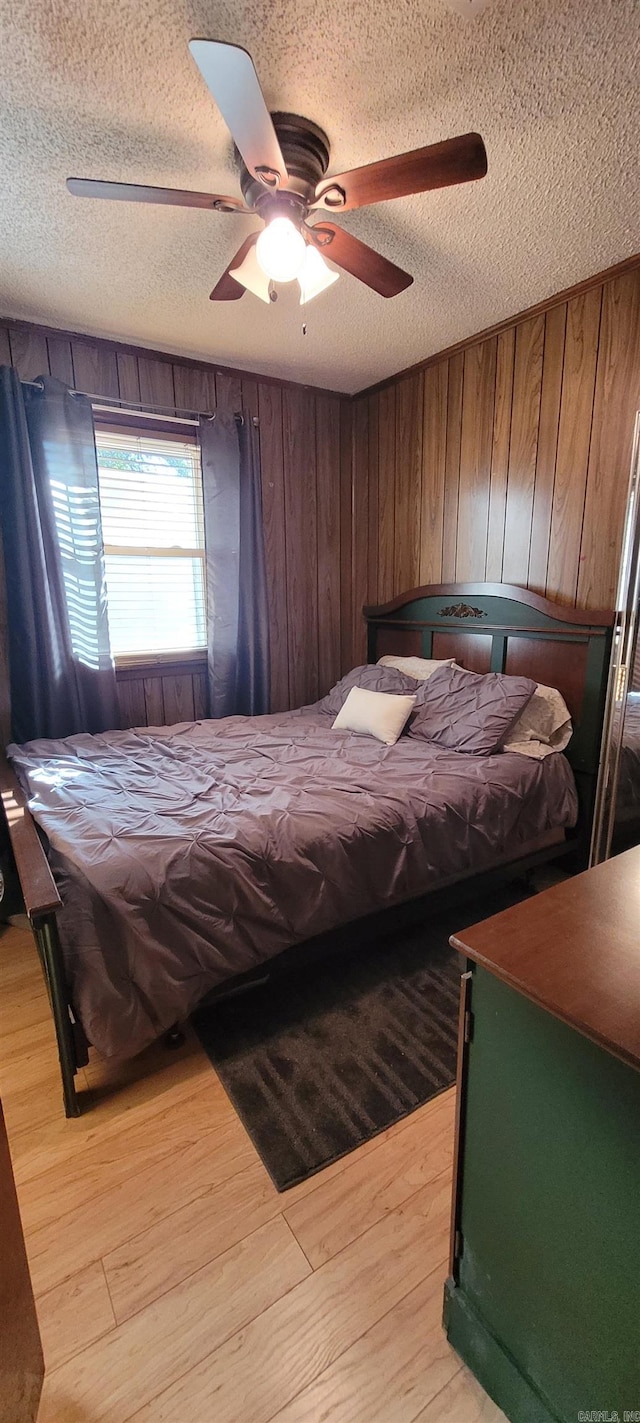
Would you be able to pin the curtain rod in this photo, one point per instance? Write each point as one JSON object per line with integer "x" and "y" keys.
{"x": 143, "y": 407}
{"x": 114, "y": 402}
{"x": 151, "y": 411}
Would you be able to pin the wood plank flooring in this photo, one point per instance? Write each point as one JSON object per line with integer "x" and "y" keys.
{"x": 174, "y": 1283}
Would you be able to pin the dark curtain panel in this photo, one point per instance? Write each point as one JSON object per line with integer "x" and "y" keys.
{"x": 238, "y": 627}
{"x": 62, "y": 675}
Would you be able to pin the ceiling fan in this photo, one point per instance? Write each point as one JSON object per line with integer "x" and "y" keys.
{"x": 283, "y": 164}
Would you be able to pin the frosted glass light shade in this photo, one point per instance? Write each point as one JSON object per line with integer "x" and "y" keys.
{"x": 280, "y": 250}
{"x": 315, "y": 276}
{"x": 251, "y": 276}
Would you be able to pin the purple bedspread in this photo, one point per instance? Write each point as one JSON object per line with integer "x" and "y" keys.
{"x": 191, "y": 853}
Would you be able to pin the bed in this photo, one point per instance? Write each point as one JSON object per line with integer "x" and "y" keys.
{"x": 179, "y": 858}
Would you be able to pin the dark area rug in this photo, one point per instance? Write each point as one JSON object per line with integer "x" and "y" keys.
{"x": 328, "y": 1055}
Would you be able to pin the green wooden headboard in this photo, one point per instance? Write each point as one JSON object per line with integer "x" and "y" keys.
{"x": 497, "y": 627}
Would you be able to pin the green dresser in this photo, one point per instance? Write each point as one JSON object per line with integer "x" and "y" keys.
{"x": 543, "y": 1300}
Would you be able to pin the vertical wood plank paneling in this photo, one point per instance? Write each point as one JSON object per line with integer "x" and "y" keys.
{"x": 574, "y": 438}
{"x": 408, "y": 496}
{"x": 502, "y": 412}
{"x": 386, "y": 490}
{"x": 475, "y": 460}
{"x": 200, "y": 696}
{"x": 360, "y": 531}
{"x": 298, "y": 410}
{"x": 523, "y": 445}
{"x": 555, "y": 327}
{"x": 373, "y": 559}
{"x": 194, "y": 390}
{"x": 455, "y": 385}
{"x": 559, "y": 453}
{"x": 133, "y": 711}
{"x": 128, "y": 378}
{"x": 95, "y": 368}
{"x": 154, "y": 702}
{"x": 270, "y": 411}
{"x": 228, "y": 392}
{"x": 328, "y": 497}
{"x": 156, "y": 382}
{"x": 315, "y": 532}
{"x": 249, "y": 391}
{"x": 60, "y": 360}
{"x": 177, "y": 695}
{"x": 29, "y": 353}
{"x": 617, "y": 399}
{"x": 434, "y": 457}
{"x": 409, "y": 427}
{"x": 346, "y": 525}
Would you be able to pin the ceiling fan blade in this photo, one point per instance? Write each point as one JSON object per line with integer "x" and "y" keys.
{"x": 229, "y": 73}
{"x": 139, "y": 193}
{"x": 360, "y": 260}
{"x": 439, "y": 165}
{"x": 228, "y": 289}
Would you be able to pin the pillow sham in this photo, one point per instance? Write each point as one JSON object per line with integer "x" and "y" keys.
{"x": 543, "y": 727}
{"x": 371, "y": 676}
{"x": 469, "y": 711}
{"x": 379, "y": 714}
{"x": 419, "y": 667}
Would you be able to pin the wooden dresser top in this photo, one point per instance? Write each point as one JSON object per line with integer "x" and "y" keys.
{"x": 574, "y": 950}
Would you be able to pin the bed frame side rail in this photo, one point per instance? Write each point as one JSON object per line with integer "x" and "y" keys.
{"x": 42, "y": 903}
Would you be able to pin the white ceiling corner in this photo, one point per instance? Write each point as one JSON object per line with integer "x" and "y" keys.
{"x": 110, "y": 91}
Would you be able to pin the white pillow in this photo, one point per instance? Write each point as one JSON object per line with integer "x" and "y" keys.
{"x": 544, "y": 726}
{"x": 418, "y": 667}
{"x": 379, "y": 714}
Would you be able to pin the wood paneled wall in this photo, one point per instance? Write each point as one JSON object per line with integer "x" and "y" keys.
{"x": 304, "y": 434}
{"x": 505, "y": 461}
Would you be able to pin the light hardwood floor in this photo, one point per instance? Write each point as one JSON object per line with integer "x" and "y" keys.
{"x": 175, "y": 1285}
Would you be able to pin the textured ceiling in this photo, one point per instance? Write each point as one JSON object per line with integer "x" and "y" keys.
{"x": 109, "y": 90}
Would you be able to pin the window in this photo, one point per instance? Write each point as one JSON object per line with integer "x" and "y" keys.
{"x": 152, "y": 524}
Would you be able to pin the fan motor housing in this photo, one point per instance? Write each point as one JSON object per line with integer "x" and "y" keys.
{"x": 305, "y": 149}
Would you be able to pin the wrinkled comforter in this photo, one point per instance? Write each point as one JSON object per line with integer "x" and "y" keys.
{"x": 191, "y": 853}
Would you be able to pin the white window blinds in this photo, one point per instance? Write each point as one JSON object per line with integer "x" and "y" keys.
{"x": 152, "y": 525}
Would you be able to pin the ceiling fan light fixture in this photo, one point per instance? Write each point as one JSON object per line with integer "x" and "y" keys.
{"x": 314, "y": 276}
{"x": 283, "y": 193}
{"x": 280, "y": 250}
{"x": 252, "y": 277}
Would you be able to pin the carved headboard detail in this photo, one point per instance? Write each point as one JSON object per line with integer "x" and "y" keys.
{"x": 462, "y": 610}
